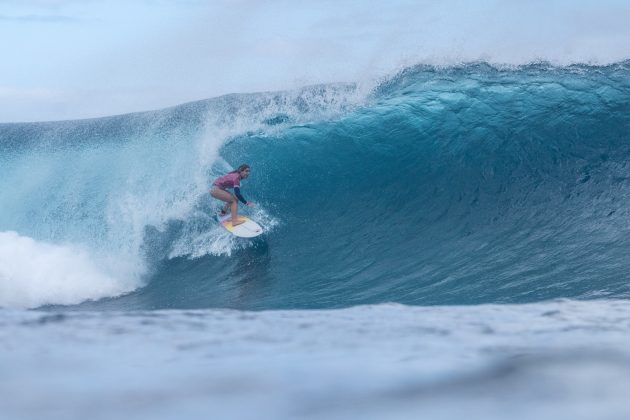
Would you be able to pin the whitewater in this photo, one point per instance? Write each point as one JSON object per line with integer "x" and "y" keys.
{"x": 444, "y": 241}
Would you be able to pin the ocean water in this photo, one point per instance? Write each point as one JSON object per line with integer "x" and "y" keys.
{"x": 445, "y": 242}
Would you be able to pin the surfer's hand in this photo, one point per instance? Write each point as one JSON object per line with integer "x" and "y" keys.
{"x": 250, "y": 204}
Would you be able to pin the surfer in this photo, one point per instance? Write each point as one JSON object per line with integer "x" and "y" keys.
{"x": 232, "y": 180}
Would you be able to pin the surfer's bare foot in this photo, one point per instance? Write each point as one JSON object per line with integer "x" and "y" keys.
{"x": 238, "y": 222}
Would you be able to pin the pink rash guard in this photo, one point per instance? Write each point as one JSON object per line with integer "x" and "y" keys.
{"x": 231, "y": 180}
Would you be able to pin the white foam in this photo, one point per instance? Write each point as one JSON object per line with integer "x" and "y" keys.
{"x": 34, "y": 273}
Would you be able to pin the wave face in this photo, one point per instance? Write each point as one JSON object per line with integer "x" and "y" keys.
{"x": 459, "y": 185}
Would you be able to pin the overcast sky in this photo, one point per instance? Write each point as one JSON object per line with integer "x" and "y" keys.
{"x": 66, "y": 59}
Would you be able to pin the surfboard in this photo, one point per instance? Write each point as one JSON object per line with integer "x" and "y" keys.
{"x": 249, "y": 229}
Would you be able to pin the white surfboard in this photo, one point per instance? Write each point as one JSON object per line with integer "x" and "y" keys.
{"x": 249, "y": 229}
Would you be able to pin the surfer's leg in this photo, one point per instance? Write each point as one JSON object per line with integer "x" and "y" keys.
{"x": 222, "y": 195}
{"x": 231, "y": 201}
{"x": 225, "y": 209}
{"x": 234, "y": 208}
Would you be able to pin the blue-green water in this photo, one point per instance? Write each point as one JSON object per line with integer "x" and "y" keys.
{"x": 439, "y": 189}
{"x": 459, "y": 185}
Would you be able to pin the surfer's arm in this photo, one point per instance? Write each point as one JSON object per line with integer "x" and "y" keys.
{"x": 237, "y": 193}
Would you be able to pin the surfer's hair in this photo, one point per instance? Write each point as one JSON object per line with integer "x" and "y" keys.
{"x": 240, "y": 168}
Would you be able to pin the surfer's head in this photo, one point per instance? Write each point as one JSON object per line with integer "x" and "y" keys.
{"x": 243, "y": 170}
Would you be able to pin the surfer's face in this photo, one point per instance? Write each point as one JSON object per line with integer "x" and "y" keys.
{"x": 245, "y": 173}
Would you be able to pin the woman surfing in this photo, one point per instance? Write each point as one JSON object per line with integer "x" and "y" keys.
{"x": 220, "y": 191}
